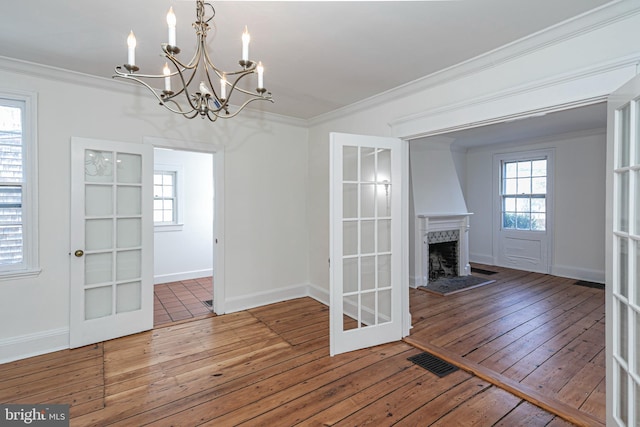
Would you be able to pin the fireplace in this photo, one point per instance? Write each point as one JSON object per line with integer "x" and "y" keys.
{"x": 442, "y": 248}
{"x": 443, "y": 254}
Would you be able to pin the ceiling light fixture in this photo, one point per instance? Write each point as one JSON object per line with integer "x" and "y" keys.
{"x": 201, "y": 98}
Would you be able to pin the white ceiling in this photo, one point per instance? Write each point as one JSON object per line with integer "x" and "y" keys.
{"x": 318, "y": 56}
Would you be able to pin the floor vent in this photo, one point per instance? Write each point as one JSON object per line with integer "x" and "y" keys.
{"x": 433, "y": 364}
{"x": 208, "y": 303}
{"x": 590, "y": 284}
{"x": 482, "y": 271}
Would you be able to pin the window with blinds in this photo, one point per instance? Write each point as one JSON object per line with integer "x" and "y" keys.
{"x": 18, "y": 252}
{"x": 11, "y": 183}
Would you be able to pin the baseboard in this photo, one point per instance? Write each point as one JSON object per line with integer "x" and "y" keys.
{"x": 319, "y": 294}
{"x": 185, "y": 275}
{"x": 481, "y": 259}
{"x": 233, "y": 304}
{"x": 24, "y": 346}
{"x": 597, "y": 276}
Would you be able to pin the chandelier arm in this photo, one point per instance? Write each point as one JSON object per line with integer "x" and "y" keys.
{"x": 185, "y": 84}
{"x": 235, "y": 113}
{"x": 162, "y": 101}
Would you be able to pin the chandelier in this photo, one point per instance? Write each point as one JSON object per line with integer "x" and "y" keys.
{"x": 196, "y": 94}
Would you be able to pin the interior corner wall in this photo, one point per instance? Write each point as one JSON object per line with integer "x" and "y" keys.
{"x": 265, "y": 195}
{"x": 579, "y": 195}
{"x": 589, "y": 64}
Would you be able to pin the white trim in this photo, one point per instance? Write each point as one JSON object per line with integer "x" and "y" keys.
{"x": 184, "y": 275}
{"x": 319, "y": 294}
{"x": 272, "y": 296}
{"x": 23, "y": 346}
{"x": 590, "y": 275}
{"x": 556, "y": 34}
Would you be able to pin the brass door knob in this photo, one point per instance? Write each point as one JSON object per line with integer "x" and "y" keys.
{"x": 78, "y": 253}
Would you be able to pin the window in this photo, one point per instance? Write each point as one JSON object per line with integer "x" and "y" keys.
{"x": 164, "y": 197}
{"x": 18, "y": 176}
{"x": 524, "y": 194}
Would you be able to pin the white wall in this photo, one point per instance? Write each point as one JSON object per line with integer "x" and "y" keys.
{"x": 585, "y": 59}
{"x": 578, "y": 197}
{"x": 265, "y": 186}
{"x": 186, "y": 251}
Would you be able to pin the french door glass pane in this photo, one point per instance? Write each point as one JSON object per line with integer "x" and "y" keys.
{"x": 367, "y": 200}
{"x": 350, "y": 275}
{"x": 350, "y": 309}
{"x": 623, "y": 134}
{"x": 98, "y": 268}
{"x": 128, "y": 265}
{"x": 367, "y": 272}
{"x": 129, "y": 232}
{"x": 384, "y": 306}
{"x": 368, "y": 308}
{"x": 623, "y": 267}
{"x": 98, "y": 234}
{"x": 623, "y": 393}
{"x": 384, "y": 271}
{"x": 623, "y": 325}
{"x": 384, "y": 235}
{"x": 97, "y": 302}
{"x": 129, "y": 168}
{"x": 384, "y": 165}
{"x": 98, "y": 166}
{"x": 367, "y": 236}
{"x": 128, "y": 297}
{"x": 349, "y": 238}
{"x": 623, "y": 201}
{"x": 129, "y": 200}
{"x": 98, "y": 200}
{"x": 349, "y": 163}
{"x": 349, "y": 200}
{"x": 637, "y": 275}
{"x": 367, "y": 164}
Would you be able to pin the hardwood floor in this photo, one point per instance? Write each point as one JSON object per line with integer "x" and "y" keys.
{"x": 270, "y": 365}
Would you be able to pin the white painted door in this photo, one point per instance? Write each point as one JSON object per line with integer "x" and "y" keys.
{"x": 623, "y": 256}
{"x": 523, "y": 187}
{"x": 111, "y": 252}
{"x": 368, "y": 241}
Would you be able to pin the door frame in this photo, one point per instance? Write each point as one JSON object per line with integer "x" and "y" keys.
{"x": 498, "y": 232}
{"x": 218, "y": 208}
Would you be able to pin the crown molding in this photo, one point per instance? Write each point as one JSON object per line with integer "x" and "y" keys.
{"x": 73, "y": 77}
{"x": 581, "y": 24}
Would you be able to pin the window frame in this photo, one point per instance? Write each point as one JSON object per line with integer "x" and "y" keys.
{"x": 531, "y": 195}
{"x": 499, "y": 159}
{"x": 178, "y": 205}
{"x": 29, "y": 266}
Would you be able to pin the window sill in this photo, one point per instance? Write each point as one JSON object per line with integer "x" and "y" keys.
{"x": 19, "y": 274}
{"x": 161, "y": 228}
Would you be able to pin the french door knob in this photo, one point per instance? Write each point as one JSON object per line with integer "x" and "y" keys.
{"x": 79, "y": 253}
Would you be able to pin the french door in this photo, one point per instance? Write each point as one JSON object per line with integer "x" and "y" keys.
{"x": 623, "y": 256}
{"x": 368, "y": 242}
{"x": 111, "y": 254}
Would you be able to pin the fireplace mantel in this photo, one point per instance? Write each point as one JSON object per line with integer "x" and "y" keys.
{"x": 428, "y": 222}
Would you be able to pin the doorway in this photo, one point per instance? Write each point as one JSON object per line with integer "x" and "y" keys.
{"x": 188, "y": 244}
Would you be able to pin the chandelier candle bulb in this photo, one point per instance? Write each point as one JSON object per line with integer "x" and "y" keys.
{"x": 131, "y": 51}
{"x": 171, "y": 22}
{"x": 245, "y": 44}
{"x": 167, "y": 78}
{"x": 260, "y": 70}
{"x": 223, "y": 87}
